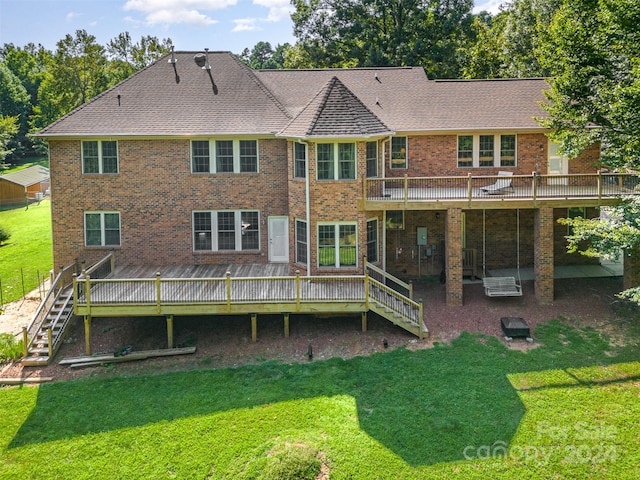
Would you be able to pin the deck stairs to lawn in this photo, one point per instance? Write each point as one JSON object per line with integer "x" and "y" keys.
{"x": 44, "y": 335}
{"x": 391, "y": 298}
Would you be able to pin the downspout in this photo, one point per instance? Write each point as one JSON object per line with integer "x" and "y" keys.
{"x": 307, "y": 201}
{"x": 384, "y": 212}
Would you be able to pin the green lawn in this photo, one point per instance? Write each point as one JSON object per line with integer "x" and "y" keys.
{"x": 472, "y": 409}
{"x": 27, "y": 255}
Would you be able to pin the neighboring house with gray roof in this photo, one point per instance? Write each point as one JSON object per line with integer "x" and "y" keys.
{"x": 22, "y": 186}
{"x": 185, "y": 164}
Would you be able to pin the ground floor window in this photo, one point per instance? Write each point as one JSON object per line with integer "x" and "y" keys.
{"x": 372, "y": 240}
{"x": 337, "y": 245}
{"x": 301, "y": 242}
{"x": 101, "y": 229}
{"x": 229, "y": 230}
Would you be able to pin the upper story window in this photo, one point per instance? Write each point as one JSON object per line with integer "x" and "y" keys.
{"x": 336, "y": 161}
{"x": 299, "y": 160}
{"x": 399, "y": 152}
{"x": 372, "y": 159}
{"x": 226, "y": 230}
{"x": 99, "y": 156}
{"x": 102, "y": 229}
{"x": 487, "y": 151}
{"x": 224, "y": 156}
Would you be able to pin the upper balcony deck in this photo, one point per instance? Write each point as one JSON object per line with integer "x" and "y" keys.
{"x": 520, "y": 191}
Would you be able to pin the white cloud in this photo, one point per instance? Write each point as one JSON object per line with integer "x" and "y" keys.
{"x": 245, "y": 25}
{"x": 71, "y": 16}
{"x": 178, "y": 11}
{"x": 278, "y": 9}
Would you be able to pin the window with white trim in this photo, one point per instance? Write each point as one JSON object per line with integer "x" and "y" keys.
{"x": 487, "y": 151}
{"x": 399, "y": 152}
{"x": 102, "y": 229}
{"x": 99, "y": 156}
{"x": 336, "y": 161}
{"x": 337, "y": 245}
{"x": 224, "y": 156}
{"x": 372, "y": 159}
{"x": 226, "y": 230}
{"x": 299, "y": 160}
{"x": 372, "y": 240}
{"x": 301, "y": 242}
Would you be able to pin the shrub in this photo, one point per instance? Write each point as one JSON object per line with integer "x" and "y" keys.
{"x": 9, "y": 348}
{"x": 4, "y": 235}
{"x": 292, "y": 461}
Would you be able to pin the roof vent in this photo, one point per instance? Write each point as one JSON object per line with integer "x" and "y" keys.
{"x": 173, "y": 57}
{"x": 200, "y": 59}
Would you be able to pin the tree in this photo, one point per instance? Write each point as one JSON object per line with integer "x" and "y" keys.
{"x": 507, "y": 45}
{"x": 262, "y": 56}
{"x": 593, "y": 52}
{"x": 607, "y": 237}
{"x": 8, "y": 128}
{"x": 348, "y": 33}
{"x": 128, "y": 57}
{"x": 76, "y": 73}
{"x": 15, "y": 105}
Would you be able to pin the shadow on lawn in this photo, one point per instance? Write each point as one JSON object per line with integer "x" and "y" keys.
{"x": 426, "y": 406}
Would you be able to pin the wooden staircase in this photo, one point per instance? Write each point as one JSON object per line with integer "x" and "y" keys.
{"x": 47, "y": 329}
{"x": 395, "y": 304}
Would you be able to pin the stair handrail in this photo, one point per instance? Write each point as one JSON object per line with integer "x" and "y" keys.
{"x": 397, "y": 303}
{"x": 63, "y": 279}
{"x": 56, "y": 343}
{"x": 385, "y": 277}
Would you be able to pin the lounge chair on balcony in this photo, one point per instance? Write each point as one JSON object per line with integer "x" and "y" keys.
{"x": 500, "y": 185}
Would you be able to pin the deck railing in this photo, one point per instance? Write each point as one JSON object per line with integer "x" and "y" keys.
{"x": 599, "y": 185}
{"x": 227, "y": 290}
{"x": 63, "y": 279}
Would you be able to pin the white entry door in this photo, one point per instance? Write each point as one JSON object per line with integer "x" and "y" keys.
{"x": 558, "y": 165}
{"x": 278, "y": 239}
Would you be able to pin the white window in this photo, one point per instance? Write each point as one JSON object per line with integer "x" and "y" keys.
{"x": 224, "y": 156}
{"x": 301, "y": 242}
{"x": 337, "y": 245}
{"x": 299, "y": 160}
{"x": 487, "y": 151}
{"x": 399, "y": 152}
{"x": 336, "y": 161}
{"x": 372, "y": 240}
{"x": 101, "y": 229}
{"x": 99, "y": 156}
{"x": 226, "y": 230}
{"x": 372, "y": 159}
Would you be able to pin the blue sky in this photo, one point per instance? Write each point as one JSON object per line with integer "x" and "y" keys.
{"x": 192, "y": 24}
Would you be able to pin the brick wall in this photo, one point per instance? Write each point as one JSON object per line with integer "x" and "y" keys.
{"x": 544, "y": 260}
{"x": 155, "y": 193}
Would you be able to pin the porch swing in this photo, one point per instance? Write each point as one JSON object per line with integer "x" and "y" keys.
{"x": 501, "y": 286}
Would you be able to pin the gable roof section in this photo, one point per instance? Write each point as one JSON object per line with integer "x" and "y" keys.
{"x": 393, "y": 94}
{"x": 335, "y": 112}
{"x": 153, "y": 103}
{"x": 27, "y": 176}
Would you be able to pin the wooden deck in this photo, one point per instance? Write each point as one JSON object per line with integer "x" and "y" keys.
{"x": 238, "y": 289}
{"x": 525, "y": 191}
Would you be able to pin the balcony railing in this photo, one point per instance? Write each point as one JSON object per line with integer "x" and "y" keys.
{"x": 521, "y": 187}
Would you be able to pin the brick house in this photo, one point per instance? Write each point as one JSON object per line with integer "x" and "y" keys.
{"x": 200, "y": 160}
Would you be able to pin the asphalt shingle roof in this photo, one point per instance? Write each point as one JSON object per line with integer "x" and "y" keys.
{"x": 298, "y": 103}
{"x": 153, "y": 103}
{"x": 335, "y": 112}
{"x": 27, "y": 176}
